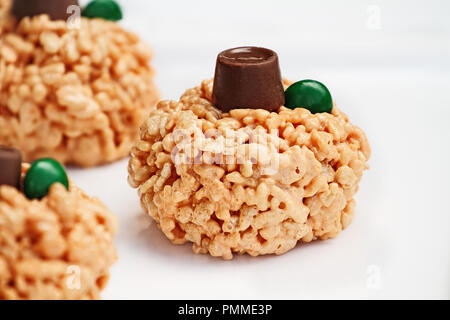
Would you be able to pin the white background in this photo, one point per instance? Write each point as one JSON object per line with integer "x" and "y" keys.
{"x": 387, "y": 65}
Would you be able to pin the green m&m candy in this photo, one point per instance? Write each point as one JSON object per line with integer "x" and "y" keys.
{"x": 42, "y": 174}
{"x": 309, "y": 94}
{"x": 106, "y": 9}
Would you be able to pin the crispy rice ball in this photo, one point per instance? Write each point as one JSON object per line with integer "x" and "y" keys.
{"x": 60, "y": 247}
{"x": 255, "y": 193}
{"x": 76, "y": 95}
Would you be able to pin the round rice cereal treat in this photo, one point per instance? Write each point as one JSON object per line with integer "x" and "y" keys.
{"x": 247, "y": 181}
{"x": 76, "y": 95}
{"x": 59, "y": 247}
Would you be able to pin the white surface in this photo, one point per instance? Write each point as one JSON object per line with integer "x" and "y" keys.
{"x": 392, "y": 81}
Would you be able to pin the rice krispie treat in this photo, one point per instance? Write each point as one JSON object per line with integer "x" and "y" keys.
{"x": 240, "y": 165}
{"x": 55, "y": 241}
{"x": 72, "y": 90}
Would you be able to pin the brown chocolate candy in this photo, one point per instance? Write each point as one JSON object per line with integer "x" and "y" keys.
{"x": 10, "y": 166}
{"x": 56, "y": 9}
{"x": 248, "y": 78}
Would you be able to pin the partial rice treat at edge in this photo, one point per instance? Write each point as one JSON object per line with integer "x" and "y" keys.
{"x": 237, "y": 206}
{"x": 5, "y": 5}
{"x": 60, "y": 247}
{"x": 76, "y": 95}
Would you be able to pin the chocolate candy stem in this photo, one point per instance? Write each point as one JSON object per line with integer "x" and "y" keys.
{"x": 10, "y": 166}
{"x": 248, "y": 77}
{"x": 56, "y": 9}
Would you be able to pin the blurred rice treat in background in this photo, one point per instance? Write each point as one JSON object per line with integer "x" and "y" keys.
{"x": 75, "y": 91}
{"x": 56, "y": 242}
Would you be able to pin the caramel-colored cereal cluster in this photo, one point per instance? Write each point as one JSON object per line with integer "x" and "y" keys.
{"x": 257, "y": 192}
{"x": 60, "y": 247}
{"x": 76, "y": 95}
{"x": 5, "y": 20}
{"x": 4, "y": 7}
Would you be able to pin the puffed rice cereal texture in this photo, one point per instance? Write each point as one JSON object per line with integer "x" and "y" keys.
{"x": 226, "y": 199}
{"x": 5, "y": 6}
{"x": 59, "y": 247}
{"x": 74, "y": 94}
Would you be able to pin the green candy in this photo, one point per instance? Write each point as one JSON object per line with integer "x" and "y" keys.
{"x": 106, "y": 9}
{"x": 309, "y": 94}
{"x": 42, "y": 174}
